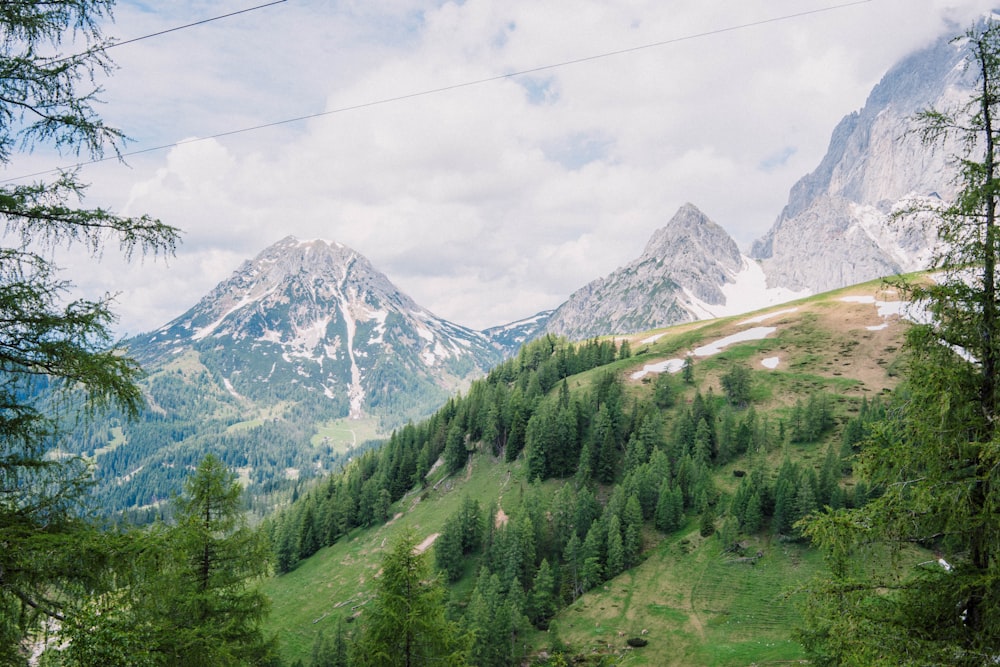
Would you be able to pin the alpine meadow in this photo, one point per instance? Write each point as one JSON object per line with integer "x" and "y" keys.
{"x": 706, "y": 457}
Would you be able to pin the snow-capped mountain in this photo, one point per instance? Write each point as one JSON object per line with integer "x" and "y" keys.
{"x": 316, "y": 319}
{"x": 839, "y": 227}
{"x": 690, "y": 269}
{"x": 511, "y": 336}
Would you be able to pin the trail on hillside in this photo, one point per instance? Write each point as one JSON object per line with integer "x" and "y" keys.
{"x": 693, "y": 618}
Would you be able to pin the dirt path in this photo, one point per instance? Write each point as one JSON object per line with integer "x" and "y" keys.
{"x": 426, "y": 544}
{"x": 693, "y": 618}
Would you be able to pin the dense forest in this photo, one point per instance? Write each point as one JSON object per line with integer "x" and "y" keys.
{"x": 631, "y": 464}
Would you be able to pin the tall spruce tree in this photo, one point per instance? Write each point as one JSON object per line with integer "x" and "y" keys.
{"x": 203, "y": 603}
{"x": 936, "y": 459}
{"x": 405, "y": 624}
{"x": 46, "y": 340}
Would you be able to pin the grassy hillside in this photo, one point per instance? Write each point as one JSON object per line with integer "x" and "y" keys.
{"x": 694, "y": 599}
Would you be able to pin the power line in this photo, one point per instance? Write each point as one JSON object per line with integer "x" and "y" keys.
{"x": 196, "y": 23}
{"x": 105, "y": 47}
{"x": 455, "y": 86}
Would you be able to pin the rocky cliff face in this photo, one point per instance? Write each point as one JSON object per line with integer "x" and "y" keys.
{"x": 316, "y": 319}
{"x": 841, "y": 223}
{"x": 686, "y": 262}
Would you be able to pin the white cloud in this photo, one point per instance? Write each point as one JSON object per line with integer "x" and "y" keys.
{"x": 491, "y": 201}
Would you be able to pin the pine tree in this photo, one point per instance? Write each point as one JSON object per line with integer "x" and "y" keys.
{"x": 542, "y": 603}
{"x": 736, "y": 383}
{"x": 665, "y": 518}
{"x": 405, "y": 623}
{"x": 632, "y": 525}
{"x": 934, "y": 459}
{"x": 455, "y": 453}
{"x": 687, "y": 371}
{"x": 206, "y": 609}
{"x": 47, "y": 341}
{"x": 615, "y": 564}
{"x": 448, "y": 550}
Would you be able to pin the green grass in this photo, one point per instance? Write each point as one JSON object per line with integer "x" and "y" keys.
{"x": 694, "y": 606}
{"x": 344, "y": 435}
{"x": 331, "y": 584}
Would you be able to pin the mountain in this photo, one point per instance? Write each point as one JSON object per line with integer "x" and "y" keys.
{"x": 838, "y": 227}
{"x": 510, "y": 337}
{"x": 310, "y": 318}
{"x": 690, "y": 269}
{"x": 306, "y": 333}
{"x": 847, "y": 222}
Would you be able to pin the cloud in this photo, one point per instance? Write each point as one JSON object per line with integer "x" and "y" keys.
{"x": 484, "y": 202}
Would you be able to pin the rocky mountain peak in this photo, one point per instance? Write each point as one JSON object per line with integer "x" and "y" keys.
{"x": 837, "y": 228}
{"x": 689, "y": 225}
{"x": 685, "y": 262}
{"x": 691, "y": 241}
{"x": 316, "y": 317}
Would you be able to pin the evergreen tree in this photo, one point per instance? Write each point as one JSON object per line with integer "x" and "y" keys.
{"x": 616, "y": 549}
{"x": 48, "y": 554}
{"x": 753, "y": 516}
{"x": 934, "y": 459}
{"x": 455, "y": 453}
{"x": 448, "y": 550}
{"x": 632, "y": 528}
{"x": 542, "y": 604}
{"x": 667, "y": 516}
{"x": 592, "y": 569}
{"x": 573, "y": 559}
{"x": 405, "y": 623}
{"x": 287, "y": 546}
{"x": 736, "y": 383}
{"x": 204, "y": 607}
{"x": 664, "y": 391}
{"x": 706, "y": 525}
{"x": 687, "y": 371}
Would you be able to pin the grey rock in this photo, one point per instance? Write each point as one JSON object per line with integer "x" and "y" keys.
{"x": 690, "y": 257}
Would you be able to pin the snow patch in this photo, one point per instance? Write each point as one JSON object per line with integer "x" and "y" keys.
{"x": 747, "y": 292}
{"x": 770, "y": 362}
{"x": 756, "y": 333}
{"x": 668, "y": 366}
{"x": 766, "y": 316}
{"x": 675, "y": 365}
{"x": 915, "y": 312}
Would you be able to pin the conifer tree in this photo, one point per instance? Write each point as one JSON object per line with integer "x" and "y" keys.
{"x": 935, "y": 458}
{"x": 204, "y": 605}
{"x": 405, "y": 624}
{"x": 46, "y": 340}
{"x": 615, "y": 564}
{"x": 543, "y": 601}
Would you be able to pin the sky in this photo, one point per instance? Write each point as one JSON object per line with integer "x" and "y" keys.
{"x": 489, "y": 157}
